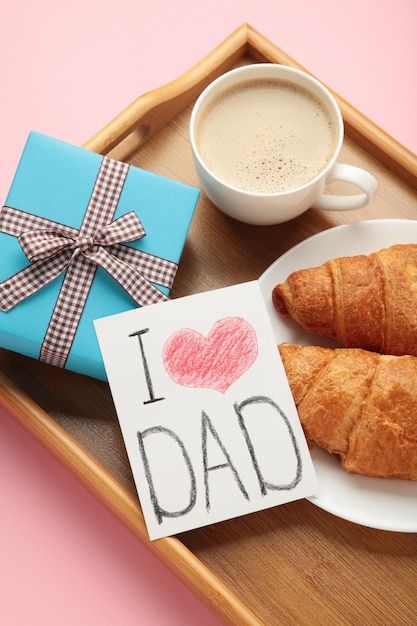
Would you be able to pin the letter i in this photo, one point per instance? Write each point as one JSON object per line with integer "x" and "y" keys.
{"x": 148, "y": 379}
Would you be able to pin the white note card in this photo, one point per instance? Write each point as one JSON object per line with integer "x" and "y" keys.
{"x": 205, "y": 408}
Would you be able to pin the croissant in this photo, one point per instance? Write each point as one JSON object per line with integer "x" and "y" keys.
{"x": 367, "y": 302}
{"x": 358, "y": 404}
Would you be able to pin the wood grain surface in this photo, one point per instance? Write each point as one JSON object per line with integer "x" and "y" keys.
{"x": 294, "y": 564}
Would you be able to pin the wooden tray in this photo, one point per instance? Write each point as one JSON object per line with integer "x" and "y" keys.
{"x": 294, "y": 564}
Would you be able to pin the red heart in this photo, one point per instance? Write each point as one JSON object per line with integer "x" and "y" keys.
{"x": 214, "y": 362}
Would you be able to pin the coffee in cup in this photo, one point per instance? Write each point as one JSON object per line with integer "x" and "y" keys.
{"x": 266, "y": 136}
{"x": 265, "y": 142}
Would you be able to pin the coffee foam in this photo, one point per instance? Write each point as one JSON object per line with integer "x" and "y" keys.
{"x": 266, "y": 136}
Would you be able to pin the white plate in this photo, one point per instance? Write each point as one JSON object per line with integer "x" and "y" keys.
{"x": 378, "y": 503}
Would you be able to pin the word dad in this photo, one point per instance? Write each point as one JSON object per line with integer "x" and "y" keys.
{"x": 199, "y": 475}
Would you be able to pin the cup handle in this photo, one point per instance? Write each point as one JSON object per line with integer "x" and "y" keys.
{"x": 351, "y": 174}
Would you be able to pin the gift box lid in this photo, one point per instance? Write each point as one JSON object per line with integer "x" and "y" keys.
{"x": 56, "y": 181}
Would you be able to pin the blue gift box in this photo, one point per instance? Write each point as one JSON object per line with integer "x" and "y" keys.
{"x": 55, "y": 181}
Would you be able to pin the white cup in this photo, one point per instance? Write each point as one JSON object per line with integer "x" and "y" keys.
{"x": 276, "y": 207}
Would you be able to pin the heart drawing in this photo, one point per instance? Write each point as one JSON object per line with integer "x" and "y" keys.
{"x": 215, "y": 361}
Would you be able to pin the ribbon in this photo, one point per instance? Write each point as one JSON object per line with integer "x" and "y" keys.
{"x": 54, "y": 248}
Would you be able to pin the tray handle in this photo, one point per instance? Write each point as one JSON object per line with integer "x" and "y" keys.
{"x": 151, "y": 111}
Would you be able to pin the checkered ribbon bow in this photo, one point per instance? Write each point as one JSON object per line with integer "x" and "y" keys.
{"x": 54, "y": 248}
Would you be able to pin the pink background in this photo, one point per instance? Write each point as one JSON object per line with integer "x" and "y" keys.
{"x": 67, "y": 68}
